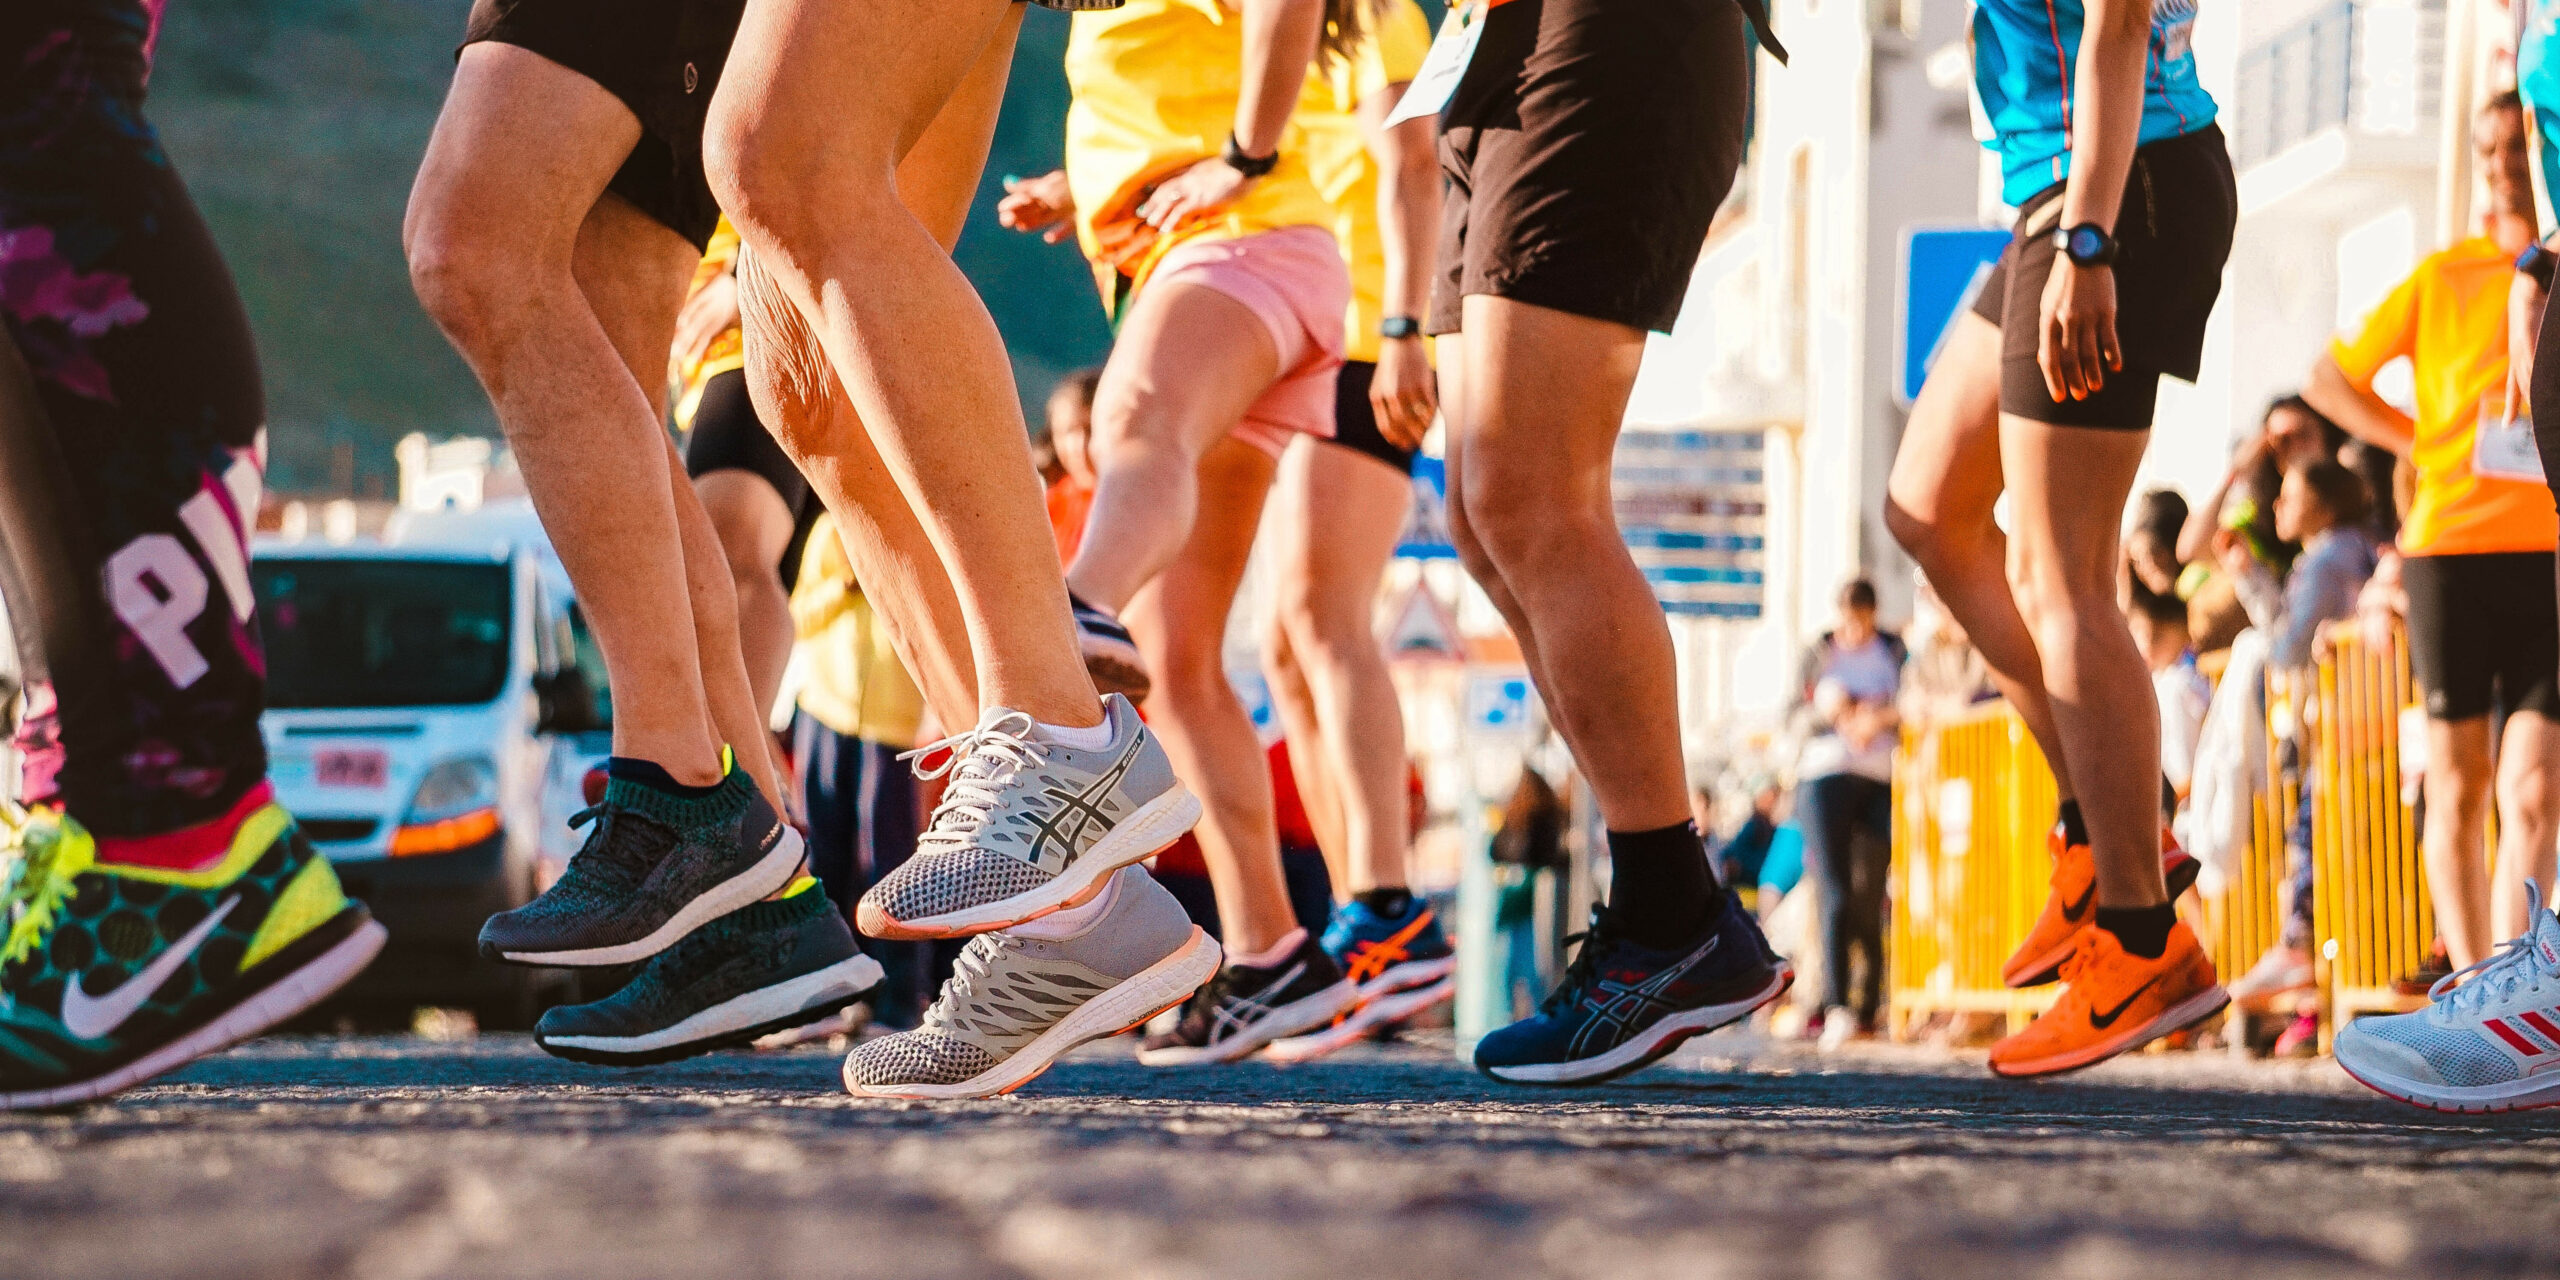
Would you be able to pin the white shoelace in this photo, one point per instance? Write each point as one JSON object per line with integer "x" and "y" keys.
{"x": 981, "y": 764}
{"x": 2516, "y": 962}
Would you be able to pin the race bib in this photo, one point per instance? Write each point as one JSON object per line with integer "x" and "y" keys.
{"x": 1431, "y": 87}
{"x": 2502, "y": 448}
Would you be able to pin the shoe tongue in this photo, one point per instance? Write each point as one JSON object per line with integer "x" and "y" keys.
{"x": 2546, "y": 938}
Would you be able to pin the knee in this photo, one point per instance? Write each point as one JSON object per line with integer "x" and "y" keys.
{"x": 1138, "y": 431}
{"x": 1927, "y": 541}
{"x": 786, "y": 192}
{"x": 1190, "y": 677}
{"x": 1518, "y": 527}
{"x": 470, "y": 284}
{"x": 2524, "y": 794}
{"x": 1472, "y": 555}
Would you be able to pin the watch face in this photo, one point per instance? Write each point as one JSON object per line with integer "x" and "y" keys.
{"x": 2087, "y": 244}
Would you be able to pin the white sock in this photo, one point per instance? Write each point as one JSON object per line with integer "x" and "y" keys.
{"x": 1286, "y": 947}
{"x": 1090, "y": 738}
{"x": 1069, "y": 921}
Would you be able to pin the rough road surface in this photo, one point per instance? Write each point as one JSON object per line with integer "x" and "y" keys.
{"x": 402, "y": 1157}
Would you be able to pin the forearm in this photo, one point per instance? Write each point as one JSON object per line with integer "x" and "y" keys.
{"x": 2196, "y": 538}
{"x": 1280, "y": 39}
{"x": 1408, "y": 207}
{"x": 2357, "y": 410}
{"x": 2106, "y": 126}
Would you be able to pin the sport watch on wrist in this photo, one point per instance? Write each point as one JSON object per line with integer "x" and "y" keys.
{"x": 2087, "y": 245}
{"x": 1399, "y": 327}
{"x": 2538, "y": 262}
{"x": 1249, "y": 166}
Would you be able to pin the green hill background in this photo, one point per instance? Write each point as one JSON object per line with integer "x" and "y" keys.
{"x": 299, "y": 124}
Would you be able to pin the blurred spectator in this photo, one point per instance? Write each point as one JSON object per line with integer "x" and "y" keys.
{"x": 1945, "y": 675}
{"x": 1739, "y": 860}
{"x": 1528, "y": 846}
{"x": 2322, "y": 509}
{"x": 2160, "y": 627}
{"x": 1070, "y": 415}
{"x": 1844, "y": 776}
{"x": 2152, "y": 562}
{"x": 2476, "y": 542}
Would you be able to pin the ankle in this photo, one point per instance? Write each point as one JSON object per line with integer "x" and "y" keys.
{"x": 1272, "y": 956}
{"x": 1389, "y": 902}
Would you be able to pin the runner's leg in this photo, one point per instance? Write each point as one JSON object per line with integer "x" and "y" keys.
{"x": 2528, "y": 827}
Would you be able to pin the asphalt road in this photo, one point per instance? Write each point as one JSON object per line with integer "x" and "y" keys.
{"x": 400, "y": 1157}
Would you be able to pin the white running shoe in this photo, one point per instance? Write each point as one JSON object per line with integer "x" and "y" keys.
{"x": 2489, "y": 1044}
{"x": 1029, "y": 826}
{"x": 1015, "y": 1003}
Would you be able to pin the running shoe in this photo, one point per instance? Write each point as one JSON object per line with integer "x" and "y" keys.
{"x": 1028, "y": 826}
{"x": 1401, "y": 965}
{"x": 655, "y": 868}
{"x": 2489, "y": 1044}
{"x": 113, "y": 973}
{"x": 2071, "y": 908}
{"x": 2114, "y": 1001}
{"x": 766, "y": 967}
{"x": 1014, "y": 1003}
{"x": 1110, "y": 655}
{"x": 1247, "y": 1007}
{"x": 1623, "y": 1006}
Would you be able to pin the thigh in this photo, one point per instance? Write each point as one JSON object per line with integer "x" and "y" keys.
{"x": 521, "y": 153}
{"x": 1947, "y": 471}
{"x": 838, "y": 91}
{"x": 1336, "y": 516}
{"x": 1189, "y": 362}
{"x": 1542, "y": 393}
{"x": 632, "y": 270}
{"x": 2069, "y": 486}
{"x": 727, "y": 435}
{"x": 1185, "y": 610}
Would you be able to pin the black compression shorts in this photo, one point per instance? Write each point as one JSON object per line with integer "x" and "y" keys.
{"x": 2173, "y": 233}
{"x": 1355, "y": 420}
{"x": 728, "y": 436}
{"x": 2484, "y": 634}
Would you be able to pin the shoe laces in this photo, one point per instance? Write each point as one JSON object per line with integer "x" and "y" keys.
{"x": 981, "y": 764}
{"x": 1584, "y": 971}
{"x": 972, "y": 976}
{"x": 2517, "y": 963}
{"x": 37, "y": 865}
{"x": 593, "y": 859}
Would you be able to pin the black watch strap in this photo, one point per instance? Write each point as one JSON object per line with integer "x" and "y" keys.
{"x": 1249, "y": 166}
{"x": 2087, "y": 244}
{"x": 2539, "y": 262}
{"x": 1399, "y": 327}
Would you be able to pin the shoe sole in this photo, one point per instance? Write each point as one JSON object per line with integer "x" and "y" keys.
{"x": 1385, "y": 1010}
{"x": 1160, "y": 986}
{"x": 769, "y": 874}
{"x": 1115, "y": 668}
{"x": 2529, "y": 1094}
{"x": 1296, "y": 1018}
{"x": 1406, "y": 976}
{"x": 2048, "y": 967}
{"x": 738, "y": 1020}
{"x": 1649, "y": 1046}
{"x": 1156, "y": 824}
{"x": 279, "y": 1001}
{"x": 2178, "y": 1017}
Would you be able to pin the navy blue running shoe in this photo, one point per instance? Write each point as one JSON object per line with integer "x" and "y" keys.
{"x": 1623, "y": 1007}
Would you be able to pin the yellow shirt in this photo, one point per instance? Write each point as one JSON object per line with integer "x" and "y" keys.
{"x": 1155, "y": 85}
{"x": 726, "y": 352}
{"x": 852, "y": 681}
{"x": 1338, "y": 158}
{"x": 2450, "y": 318}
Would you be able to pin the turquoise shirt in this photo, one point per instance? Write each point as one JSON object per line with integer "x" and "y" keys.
{"x": 2026, "y": 55}
{"x": 2538, "y": 79}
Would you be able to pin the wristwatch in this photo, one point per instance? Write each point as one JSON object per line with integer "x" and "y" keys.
{"x": 2087, "y": 245}
{"x": 1399, "y": 327}
{"x": 1249, "y": 166}
{"x": 2538, "y": 262}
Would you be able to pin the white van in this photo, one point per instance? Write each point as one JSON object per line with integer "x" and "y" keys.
{"x": 429, "y": 721}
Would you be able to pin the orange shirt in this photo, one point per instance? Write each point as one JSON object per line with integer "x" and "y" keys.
{"x": 2450, "y": 319}
{"x": 1069, "y": 504}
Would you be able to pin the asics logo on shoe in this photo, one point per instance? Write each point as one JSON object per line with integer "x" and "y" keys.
{"x": 2074, "y": 909}
{"x": 1232, "y": 1023}
{"x": 1621, "y": 1009}
{"x": 2103, "y": 1019}
{"x": 91, "y": 1017}
{"x": 1063, "y": 832}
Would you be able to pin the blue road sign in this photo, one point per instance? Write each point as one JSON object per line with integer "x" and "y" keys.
{"x": 1942, "y": 271}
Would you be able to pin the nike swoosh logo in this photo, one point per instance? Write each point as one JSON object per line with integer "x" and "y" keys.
{"x": 2073, "y": 910}
{"x": 2102, "y": 1021}
{"x": 91, "y": 1017}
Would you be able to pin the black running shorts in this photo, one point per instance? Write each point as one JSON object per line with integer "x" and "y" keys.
{"x": 2173, "y": 234}
{"x": 728, "y": 436}
{"x": 1586, "y": 152}
{"x": 1355, "y": 420}
{"x": 2484, "y": 634}
{"x": 662, "y": 58}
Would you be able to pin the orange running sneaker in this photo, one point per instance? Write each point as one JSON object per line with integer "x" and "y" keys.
{"x": 2073, "y": 904}
{"x": 2115, "y": 1001}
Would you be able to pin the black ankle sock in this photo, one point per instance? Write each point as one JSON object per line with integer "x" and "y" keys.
{"x": 1661, "y": 892}
{"x": 2144, "y": 931}
{"x": 1390, "y": 904}
{"x": 650, "y": 774}
{"x": 2075, "y": 829}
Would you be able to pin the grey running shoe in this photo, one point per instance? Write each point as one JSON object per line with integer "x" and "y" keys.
{"x": 655, "y": 868}
{"x": 770, "y": 966}
{"x": 1246, "y": 1008}
{"x": 1111, "y": 657}
{"x": 1015, "y": 1004}
{"x": 1029, "y": 826}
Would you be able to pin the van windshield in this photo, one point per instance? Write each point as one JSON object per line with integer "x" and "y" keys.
{"x": 382, "y": 633}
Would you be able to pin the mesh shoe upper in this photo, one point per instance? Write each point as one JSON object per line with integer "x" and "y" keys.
{"x": 746, "y": 950}
{"x": 2499, "y": 1026}
{"x": 1019, "y": 811}
{"x": 1366, "y": 944}
{"x": 647, "y": 855}
{"x": 1616, "y": 988}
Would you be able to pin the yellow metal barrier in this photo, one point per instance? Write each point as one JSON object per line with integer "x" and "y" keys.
{"x": 2371, "y": 916}
{"x": 2247, "y": 916}
{"x": 1973, "y": 803}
